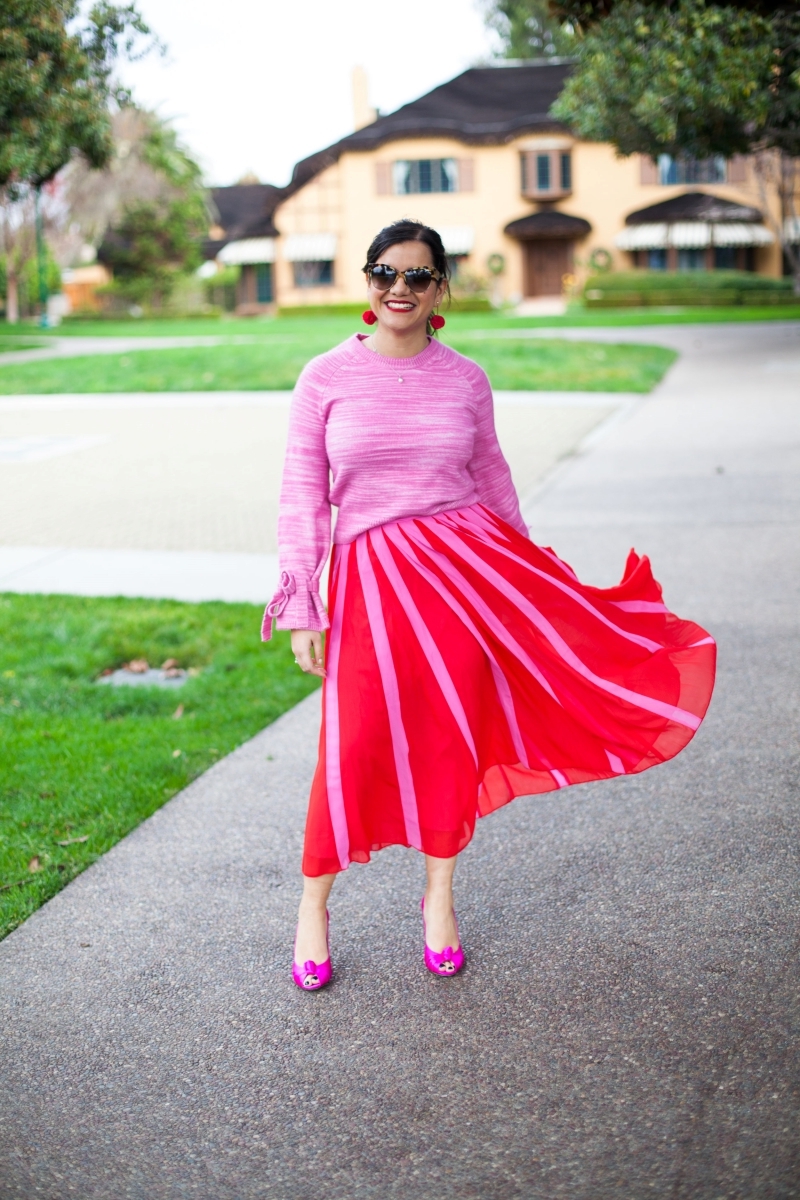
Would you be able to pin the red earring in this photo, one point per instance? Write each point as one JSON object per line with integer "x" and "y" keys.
{"x": 437, "y": 322}
{"x": 369, "y": 317}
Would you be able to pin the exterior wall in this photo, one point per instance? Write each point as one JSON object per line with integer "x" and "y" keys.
{"x": 349, "y": 199}
{"x": 316, "y": 208}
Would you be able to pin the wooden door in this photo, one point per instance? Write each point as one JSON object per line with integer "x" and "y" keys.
{"x": 545, "y": 263}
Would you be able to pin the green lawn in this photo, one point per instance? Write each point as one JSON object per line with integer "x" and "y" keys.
{"x": 82, "y": 761}
{"x": 537, "y": 364}
{"x": 15, "y": 342}
{"x": 576, "y": 316}
{"x": 276, "y": 354}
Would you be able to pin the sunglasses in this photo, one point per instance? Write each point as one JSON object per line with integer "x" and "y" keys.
{"x": 417, "y": 279}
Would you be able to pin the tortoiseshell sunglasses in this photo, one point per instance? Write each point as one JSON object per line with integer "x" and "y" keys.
{"x": 416, "y": 279}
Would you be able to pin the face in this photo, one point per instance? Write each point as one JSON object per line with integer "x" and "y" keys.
{"x": 399, "y": 309}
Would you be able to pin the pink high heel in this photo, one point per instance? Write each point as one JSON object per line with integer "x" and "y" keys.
{"x": 442, "y": 962}
{"x": 312, "y": 976}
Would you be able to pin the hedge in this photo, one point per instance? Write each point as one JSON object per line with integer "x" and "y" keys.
{"x": 642, "y": 289}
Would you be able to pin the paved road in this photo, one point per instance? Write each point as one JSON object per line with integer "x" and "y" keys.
{"x": 627, "y": 1025}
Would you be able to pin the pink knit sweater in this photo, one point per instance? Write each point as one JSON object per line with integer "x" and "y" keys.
{"x": 380, "y": 438}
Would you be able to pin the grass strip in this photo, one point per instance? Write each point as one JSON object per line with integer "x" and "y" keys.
{"x": 577, "y": 316}
{"x": 82, "y": 764}
{"x": 275, "y": 363}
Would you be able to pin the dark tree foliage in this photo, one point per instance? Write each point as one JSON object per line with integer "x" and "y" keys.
{"x": 528, "y": 29}
{"x": 56, "y": 83}
{"x": 583, "y": 13}
{"x": 155, "y": 240}
{"x": 693, "y": 78}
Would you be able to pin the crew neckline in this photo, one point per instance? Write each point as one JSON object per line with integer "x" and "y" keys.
{"x": 394, "y": 364}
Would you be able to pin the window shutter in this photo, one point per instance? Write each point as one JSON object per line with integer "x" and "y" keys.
{"x": 528, "y": 168}
{"x": 737, "y": 169}
{"x": 383, "y": 178}
{"x": 648, "y": 170}
{"x": 466, "y": 174}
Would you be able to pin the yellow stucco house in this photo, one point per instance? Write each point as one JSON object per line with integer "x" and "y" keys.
{"x": 519, "y": 201}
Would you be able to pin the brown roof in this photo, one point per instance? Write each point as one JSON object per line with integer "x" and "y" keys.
{"x": 550, "y": 223}
{"x": 243, "y": 211}
{"x": 482, "y": 106}
{"x": 694, "y": 206}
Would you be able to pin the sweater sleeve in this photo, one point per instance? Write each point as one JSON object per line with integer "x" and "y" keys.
{"x": 488, "y": 467}
{"x": 304, "y": 517}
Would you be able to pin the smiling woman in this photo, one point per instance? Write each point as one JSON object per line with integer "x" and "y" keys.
{"x": 464, "y": 665}
{"x": 415, "y": 255}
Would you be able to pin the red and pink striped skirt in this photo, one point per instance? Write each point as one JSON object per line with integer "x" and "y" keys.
{"x": 467, "y": 666}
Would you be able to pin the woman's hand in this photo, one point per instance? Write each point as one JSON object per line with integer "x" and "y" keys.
{"x": 307, "y": 650}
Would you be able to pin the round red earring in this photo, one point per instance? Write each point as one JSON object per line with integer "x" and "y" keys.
{"x": 437, "y": 322}
{"x": 369, "y": 317}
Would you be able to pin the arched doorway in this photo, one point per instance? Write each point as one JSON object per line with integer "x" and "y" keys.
{"x": 547, "y": 241}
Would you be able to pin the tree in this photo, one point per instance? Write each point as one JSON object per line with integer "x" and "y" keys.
{"x": 528, "y": 29}
{"x": 696, "y": 79}
{"x": 56, "y": 86}
{"x": 154, "y": 232}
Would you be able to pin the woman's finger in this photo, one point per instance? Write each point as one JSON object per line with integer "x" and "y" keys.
{"x": 316, "y": 655}
{"x": 307, "y": 646}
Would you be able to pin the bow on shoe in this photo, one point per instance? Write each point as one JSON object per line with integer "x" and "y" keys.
{"x": 446, "y": 963}
{"x": 310, "y": 972}
{"x": 278, "y": 603}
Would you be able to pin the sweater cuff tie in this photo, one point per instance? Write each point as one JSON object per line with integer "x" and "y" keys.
{"x": 305, "y": 607}
{"x": 287, "y": 588}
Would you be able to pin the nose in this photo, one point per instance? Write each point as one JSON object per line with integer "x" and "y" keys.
{"x": 400, "y": 288}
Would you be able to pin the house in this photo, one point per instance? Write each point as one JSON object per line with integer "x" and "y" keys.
{"x": 244, "y": 235}
{"x": 80, "y": 286}
{"x": 521, "y": 203}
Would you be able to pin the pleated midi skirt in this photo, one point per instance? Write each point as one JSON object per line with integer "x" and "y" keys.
{"x": 467, "y": 666}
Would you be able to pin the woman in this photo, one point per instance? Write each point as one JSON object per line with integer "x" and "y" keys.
{"x": 464, "y": 664}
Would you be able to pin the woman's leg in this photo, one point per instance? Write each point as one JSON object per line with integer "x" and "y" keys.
{"x": 439, "y": 917}
{"x": 312, "y": 926}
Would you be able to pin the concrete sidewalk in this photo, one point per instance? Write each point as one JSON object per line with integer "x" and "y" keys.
{"x": 176, "y": 494}
{"x": 627, "y": 1024}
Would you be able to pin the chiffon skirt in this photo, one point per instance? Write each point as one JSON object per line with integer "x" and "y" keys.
{"x": 467, "y": 665}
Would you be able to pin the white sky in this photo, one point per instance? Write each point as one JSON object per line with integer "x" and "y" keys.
{"x": 256, "y": 85}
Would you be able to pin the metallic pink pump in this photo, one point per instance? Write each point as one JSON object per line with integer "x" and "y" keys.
{"x": 312, "y": 976}
{"x": 441, "y": 962}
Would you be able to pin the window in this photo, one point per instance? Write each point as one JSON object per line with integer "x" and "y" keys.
{"x": 725, "y": 258}
{"x": 413, "y": 176}
{"x": 546, "y": 173}
{"x": 264, "y": 283}
{"x": 657, "y": 260}
{"x": 313, "y": 274}
{"x": 543, "y": 172}
{"x": 455, "y": 262}
{"x": 691, "y": 260}
{"x": 691, "y": 170}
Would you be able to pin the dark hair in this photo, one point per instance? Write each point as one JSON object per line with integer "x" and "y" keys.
{"x": 411, "y": 231}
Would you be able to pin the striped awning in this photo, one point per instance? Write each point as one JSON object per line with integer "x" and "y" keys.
{"x": 457, "y": 239}
{"x": 246, "y": 251}
{"x": 693, "y": 235}
{"x": 310, "y": 247}
{"x": 791, "y": 229}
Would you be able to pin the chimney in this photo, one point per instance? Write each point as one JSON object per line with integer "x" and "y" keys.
{"x": 363, "y": 114}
